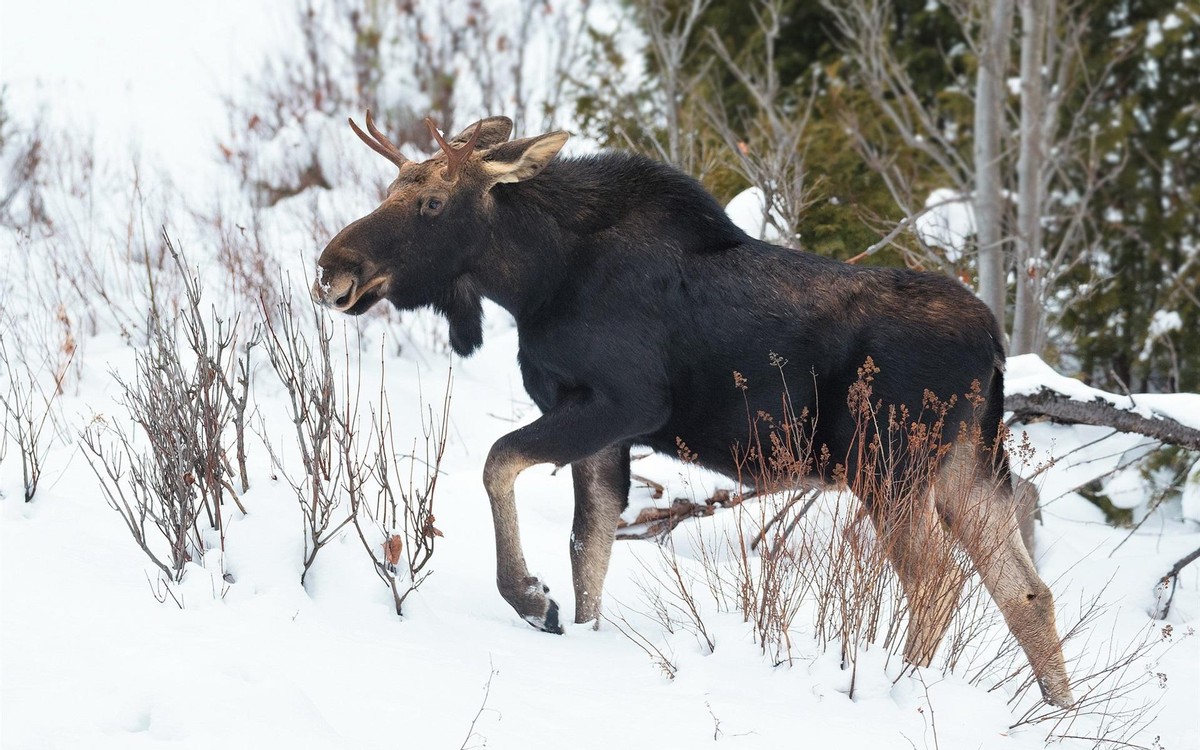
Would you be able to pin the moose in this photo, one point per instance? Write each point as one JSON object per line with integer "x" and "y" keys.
{"x": 636, "y": 299}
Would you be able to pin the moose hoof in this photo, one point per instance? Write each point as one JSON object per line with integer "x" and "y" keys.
{"x": 548, "y": 622}
{"x": 532, "y": 604}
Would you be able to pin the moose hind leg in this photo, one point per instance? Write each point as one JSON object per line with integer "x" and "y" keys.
{"x": 601, "y": 493}
{"x": 981, "y": 517}
{"x": 921, "y": 553}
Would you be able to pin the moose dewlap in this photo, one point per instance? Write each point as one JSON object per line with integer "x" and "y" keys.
{"x": 636, "y": 300}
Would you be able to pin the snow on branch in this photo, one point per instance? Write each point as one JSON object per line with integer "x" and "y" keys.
{"x": 1034, "y": 390}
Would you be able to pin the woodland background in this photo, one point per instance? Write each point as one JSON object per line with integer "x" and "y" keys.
{"x": 169, "y": 176}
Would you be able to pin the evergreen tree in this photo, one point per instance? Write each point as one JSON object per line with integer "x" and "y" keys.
{"x": 1139, "y": 325}
{"x": 1130, "y": 307}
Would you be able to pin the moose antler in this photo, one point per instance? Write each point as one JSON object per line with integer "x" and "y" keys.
{"x": 455, "y": 157}
{"x": 379, "y": 142}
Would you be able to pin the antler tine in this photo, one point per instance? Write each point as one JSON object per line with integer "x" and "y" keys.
{"x": 382, "y": 145}
{"x": 470, "y": 145}
{"x": 383, "y": 139}
{"x": 455, "y": 157}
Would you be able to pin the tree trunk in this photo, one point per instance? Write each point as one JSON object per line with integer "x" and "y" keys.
{"x": 989, "y": 135}
{"x": 1028, "y": 320}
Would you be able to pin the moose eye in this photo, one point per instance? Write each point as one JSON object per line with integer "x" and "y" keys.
{"x": 432, "y": 207}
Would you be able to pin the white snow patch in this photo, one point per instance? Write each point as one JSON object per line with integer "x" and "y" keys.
{"x": 1028, "y": 374}
{"x": 1191, "y": 494}
{"x": 1154, "y": 36}
{"x": 748, "y": 211}
{"x": 1164, "y": 322}
{"x": 948, "y": 223}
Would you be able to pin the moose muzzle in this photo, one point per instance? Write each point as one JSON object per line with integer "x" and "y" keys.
{"x": 337, "y": 291}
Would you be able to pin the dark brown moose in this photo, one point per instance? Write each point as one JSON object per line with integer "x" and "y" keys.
{"x": 636, "y": 299}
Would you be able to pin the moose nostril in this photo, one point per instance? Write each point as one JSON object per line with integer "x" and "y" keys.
{"x": 340, "y": 297}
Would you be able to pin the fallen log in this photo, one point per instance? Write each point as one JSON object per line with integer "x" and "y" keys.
{"x": 654, "y": 523}
{"x": 1059, "y": 407}
{"x": 1101, "y": 411}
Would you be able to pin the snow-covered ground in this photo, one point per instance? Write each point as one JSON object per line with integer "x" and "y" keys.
{"x": 90, "y": 659}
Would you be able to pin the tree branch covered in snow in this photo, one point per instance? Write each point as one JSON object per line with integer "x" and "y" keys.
{"x": 1060, "y": 407}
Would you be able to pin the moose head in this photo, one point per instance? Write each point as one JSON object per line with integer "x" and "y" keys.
{"x": 433, "y": 224}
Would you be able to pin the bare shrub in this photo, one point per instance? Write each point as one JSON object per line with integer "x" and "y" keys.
{"x": 669, "y": 593}
{"x": 666, "y": 664}
{"x": 186, "y": 412}
{"x": 29, "y": 407}
{"x": 154, "y": 488}
{"x": 620, "y": 104}
{"x": 22, "y": 157}
{"x": 307, "y": 376}
{"x": 397, "y": 527}
{"x": 796, "y": 552}
{"x": 1112, "y": 708}
{"x": 403, "y": 61}
{"x": 354, "y": 474}
{"x": 246, "y": 259}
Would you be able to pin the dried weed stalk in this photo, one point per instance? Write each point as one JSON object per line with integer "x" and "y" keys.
{"x": 818, "y": 566}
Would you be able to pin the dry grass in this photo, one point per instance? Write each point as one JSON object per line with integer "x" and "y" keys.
{"x": 813, "y": 569}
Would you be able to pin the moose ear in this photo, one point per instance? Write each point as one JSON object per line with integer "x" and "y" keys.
{"x": 492, "y": 132}
{"x": 523, "y": 158}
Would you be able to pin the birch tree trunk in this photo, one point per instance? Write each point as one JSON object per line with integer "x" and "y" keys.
{"x": 989, "y": 135}
{"x": 1028, "y": 315}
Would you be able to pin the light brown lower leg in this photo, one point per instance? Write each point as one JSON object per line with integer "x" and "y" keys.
{"x": 922, "y": 555}
{"x": 982, "y": 519}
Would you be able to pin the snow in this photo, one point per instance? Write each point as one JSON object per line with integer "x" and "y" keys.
{"x": 1163, "y": 322}
{"x": 137, "y": 76}
{"x": 948, "y": 222}
{"x": 89, "y": 658}
{"x": 747, "y": 210}
{"x": 1027, "y": 374}
{"x": 329, "y": 665}
{"x": 1190, "y": 501}
{"x": 1154, "y": 35}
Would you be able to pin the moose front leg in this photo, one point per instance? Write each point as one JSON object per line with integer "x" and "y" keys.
{"x": 571, "y": 431}
{"x": 523, "y": 592}
{"x": 601, "y": 493}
